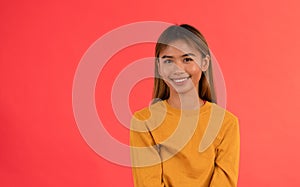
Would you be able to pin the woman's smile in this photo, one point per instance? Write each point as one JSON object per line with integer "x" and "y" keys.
{"x": 180, "y": 80}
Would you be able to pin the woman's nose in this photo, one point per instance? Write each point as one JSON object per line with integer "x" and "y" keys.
{"x": 179, "y": 66}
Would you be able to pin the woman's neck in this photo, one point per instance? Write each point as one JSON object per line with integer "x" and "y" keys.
{"x": 187, "y": 101}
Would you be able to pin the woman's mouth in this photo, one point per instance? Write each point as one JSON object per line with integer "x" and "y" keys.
{"x": 180, "y": 81}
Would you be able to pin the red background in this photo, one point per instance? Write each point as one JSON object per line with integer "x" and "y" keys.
{"x": 256, "y": 43}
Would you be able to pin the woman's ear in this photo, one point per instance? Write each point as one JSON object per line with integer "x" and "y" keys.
{"x": 205, "y": 63}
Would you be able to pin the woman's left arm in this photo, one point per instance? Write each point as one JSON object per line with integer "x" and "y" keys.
{"x": 227, "y": 156}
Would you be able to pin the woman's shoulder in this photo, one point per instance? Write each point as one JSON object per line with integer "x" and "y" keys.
{"x": 226, "y": 119}
{"x": 220, "y": 117}
{"x": 221, "y": 123}
{"x": 223, "y": 112}
{"x": 146, "y": 112}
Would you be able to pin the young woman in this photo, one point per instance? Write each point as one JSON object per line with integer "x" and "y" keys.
{"x": 184, "y": 138}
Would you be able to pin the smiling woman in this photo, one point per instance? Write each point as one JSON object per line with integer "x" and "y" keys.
{"x": 184, "y": 138}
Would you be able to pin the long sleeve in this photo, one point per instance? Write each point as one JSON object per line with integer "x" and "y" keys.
{"x": 145, "y": 158}
{"x": 227, "y": 157}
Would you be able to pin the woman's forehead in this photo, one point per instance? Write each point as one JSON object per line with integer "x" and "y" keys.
{"x": 179, "y": 47}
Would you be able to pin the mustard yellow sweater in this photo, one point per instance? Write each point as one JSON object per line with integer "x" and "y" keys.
{"x": 184, "y": 148}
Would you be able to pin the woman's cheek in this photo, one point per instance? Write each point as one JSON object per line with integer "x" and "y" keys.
{"x": 194, "y": 69}
{"x": 165, "y": 71}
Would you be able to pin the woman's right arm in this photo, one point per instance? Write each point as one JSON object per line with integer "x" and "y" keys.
{"x": 145, "y": 158}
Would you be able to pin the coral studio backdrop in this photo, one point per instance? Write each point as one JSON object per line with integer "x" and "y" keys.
{"x": 256, "y": 43}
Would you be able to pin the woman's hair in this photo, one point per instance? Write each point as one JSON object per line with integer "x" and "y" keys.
{"x": 193, "y": 37}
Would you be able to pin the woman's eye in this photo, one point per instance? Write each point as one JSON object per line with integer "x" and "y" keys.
{"x": 187, "y": 59}
{"x": 167, "y": 61}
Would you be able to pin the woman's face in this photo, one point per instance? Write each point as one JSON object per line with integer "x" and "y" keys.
{"x": 181, "y": 65}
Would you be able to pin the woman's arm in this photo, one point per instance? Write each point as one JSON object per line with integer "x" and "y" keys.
{"x": 227, "y": 158}
{"x": 145, "y": 158}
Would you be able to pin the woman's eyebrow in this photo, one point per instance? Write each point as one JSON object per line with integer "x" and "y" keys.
{"x": 188, "y": 54}
{"x": 166, "y": 56}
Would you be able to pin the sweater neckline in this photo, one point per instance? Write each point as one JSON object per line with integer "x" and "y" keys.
{"x": 186, "y": 111}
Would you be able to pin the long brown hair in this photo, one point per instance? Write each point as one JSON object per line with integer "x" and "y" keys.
{"x": 191, "y": 35}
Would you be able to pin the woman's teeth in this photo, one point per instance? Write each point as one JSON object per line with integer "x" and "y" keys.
{"x": 180, "y": 80}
